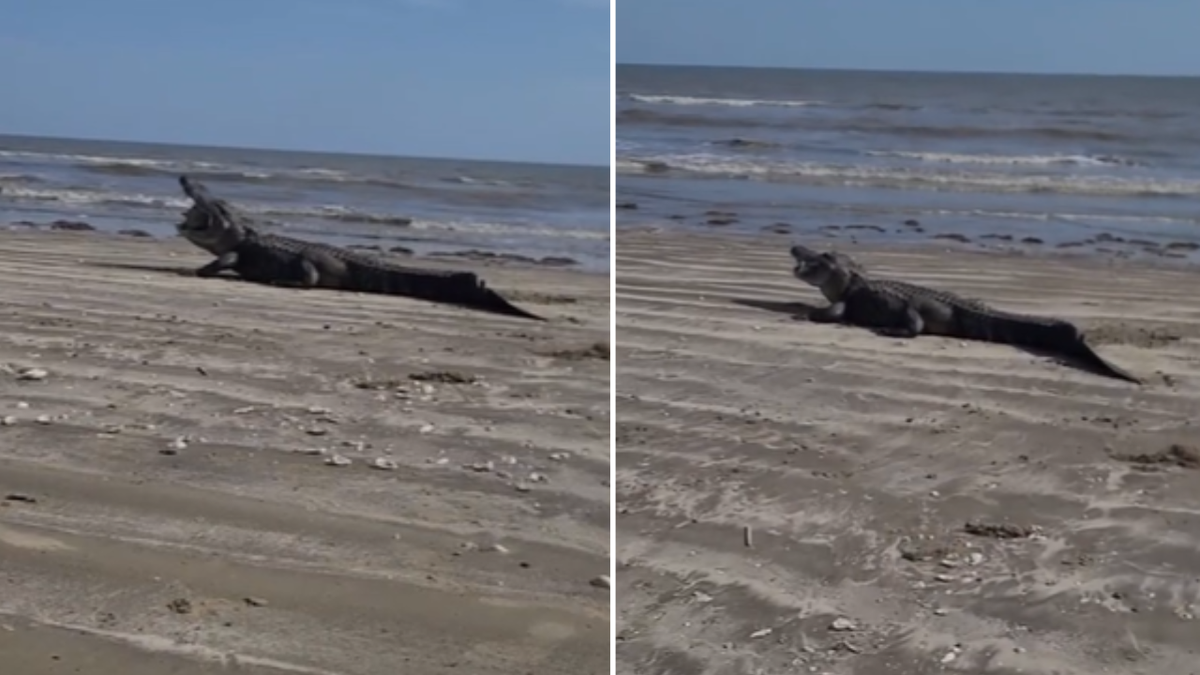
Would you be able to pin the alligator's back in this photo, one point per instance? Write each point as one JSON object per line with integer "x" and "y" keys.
{"x": 951, "y": 315}
{"x": 353, "y": 271}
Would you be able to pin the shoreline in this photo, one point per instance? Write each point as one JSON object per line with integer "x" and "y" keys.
{"x": 399, "y": 254}
{"x": 1118, "y": 244}
{"x": 1085, "y": 253}
{"x": 800, "y": 496}
{"x": 170, "y": 472}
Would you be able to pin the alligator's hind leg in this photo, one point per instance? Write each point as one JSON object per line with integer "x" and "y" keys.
{"x": 299, "y": 273}
{"x": 310, "y": 276}
{"x": 908, "y": 323}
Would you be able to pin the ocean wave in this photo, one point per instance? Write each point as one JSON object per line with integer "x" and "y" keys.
{"x": 644, "y": 116}
{"x": 716, "y": 166}
{"x": 1067, "y": 217}
{"x": 116, "y": 163}
{"x": 19, "y": 179}
{"x": 81, "y": 199}
{"x": 877, "y": 125}
{"x": 630, "y": 166}
{"x": 138, "y": 166}
{"x": 1086, "y": 113}
{"x": 1007, "y": 160}
{"x": 891, "y": 107}
{"x": 661, "y": 99}
{"x": 746, "y": 144}
{"x": 133, "y": 166}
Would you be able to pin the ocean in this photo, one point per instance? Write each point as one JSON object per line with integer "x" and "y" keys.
{"x": 1112, "y": 163}
{"x": 424, "y": 205}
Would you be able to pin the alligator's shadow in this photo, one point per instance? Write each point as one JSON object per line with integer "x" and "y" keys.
{"x": 177, "y": 271}
{"x": 796, "y": 310}
{"x": 800, "y": 312}
{"x": 174, "y": 271}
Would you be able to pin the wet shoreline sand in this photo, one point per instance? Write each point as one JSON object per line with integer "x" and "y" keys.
{"x": 165, "y": 502}
{"x": 798, "y": 497}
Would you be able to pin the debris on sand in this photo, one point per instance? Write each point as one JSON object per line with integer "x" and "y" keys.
{"x": 1183, "y": 456}
{"x": 180, "y": 606}
{"x": 384, "y": 464}
{"x": 999, "y": 530}
{"x": 843, "y": 625}
{"x": 175, "y": 447}
{"x": 32, "y": 374}
{"x": 596, "y": 350}
{"x": 444, "y": 377}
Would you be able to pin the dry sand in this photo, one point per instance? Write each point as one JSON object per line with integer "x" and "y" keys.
{"x": 857, "y": 462}
{"x": 123, "y": 552}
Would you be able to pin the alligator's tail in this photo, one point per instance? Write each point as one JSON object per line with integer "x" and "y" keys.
{"x": 1048, "y": 335}
{"x": 465, "y": 289}
{"x": 486, "y": 299}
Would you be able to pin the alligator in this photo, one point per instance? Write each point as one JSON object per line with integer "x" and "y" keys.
{"x": 262, "y": 257}
{"x": 905, "y": 310}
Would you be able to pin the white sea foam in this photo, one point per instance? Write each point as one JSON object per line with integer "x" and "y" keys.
{"x": 134, "y": 165}
{"x": 1009, "y": 160}
{"x": 732, "y": 102}
{"x": 630, "y": 165}
{"x": 718, "y": 166}
{"x": 81, "y": 199}
{"x": 86, "y": 197}
{"x": 1067, "y": 217}
{"x": 79, "y": 159}
{"x": 329, "y": 174}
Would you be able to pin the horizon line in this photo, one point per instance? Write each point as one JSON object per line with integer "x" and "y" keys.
{"x": 920, "y": 71}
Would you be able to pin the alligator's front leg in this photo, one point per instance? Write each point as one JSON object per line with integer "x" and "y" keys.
{"x": 226, "y": 261}
{"x": 832, "y": 313}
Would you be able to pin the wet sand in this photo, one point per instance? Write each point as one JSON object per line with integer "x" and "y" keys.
{"x": 795, "y": 497}
{"x": 166, "y": 505}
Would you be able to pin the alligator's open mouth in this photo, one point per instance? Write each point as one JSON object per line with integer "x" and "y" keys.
{"x": 195, "y": 222}
{"x": 808, "y": 273}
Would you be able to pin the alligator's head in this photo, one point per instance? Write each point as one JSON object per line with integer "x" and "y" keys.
{"x": 830, "y": 271}
{"x": 209, "y": 223}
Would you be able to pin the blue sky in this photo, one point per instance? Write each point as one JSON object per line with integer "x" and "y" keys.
{"x": 522, "y": 80}
{"x": 1057, "y": 36}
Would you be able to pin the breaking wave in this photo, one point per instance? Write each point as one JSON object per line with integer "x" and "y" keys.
{"x": 82, "y": 199}
{"x": 1009, "y": 160}
{"x": 133, "y": 166}
{"x": 814, "y": 173}
{"x": 870, "y": 125}
{"x": 656, "y": 99}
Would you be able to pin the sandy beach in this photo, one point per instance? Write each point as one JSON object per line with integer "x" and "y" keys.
{"x": 795, "y": 497}
{"x": 168, "y": 501}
